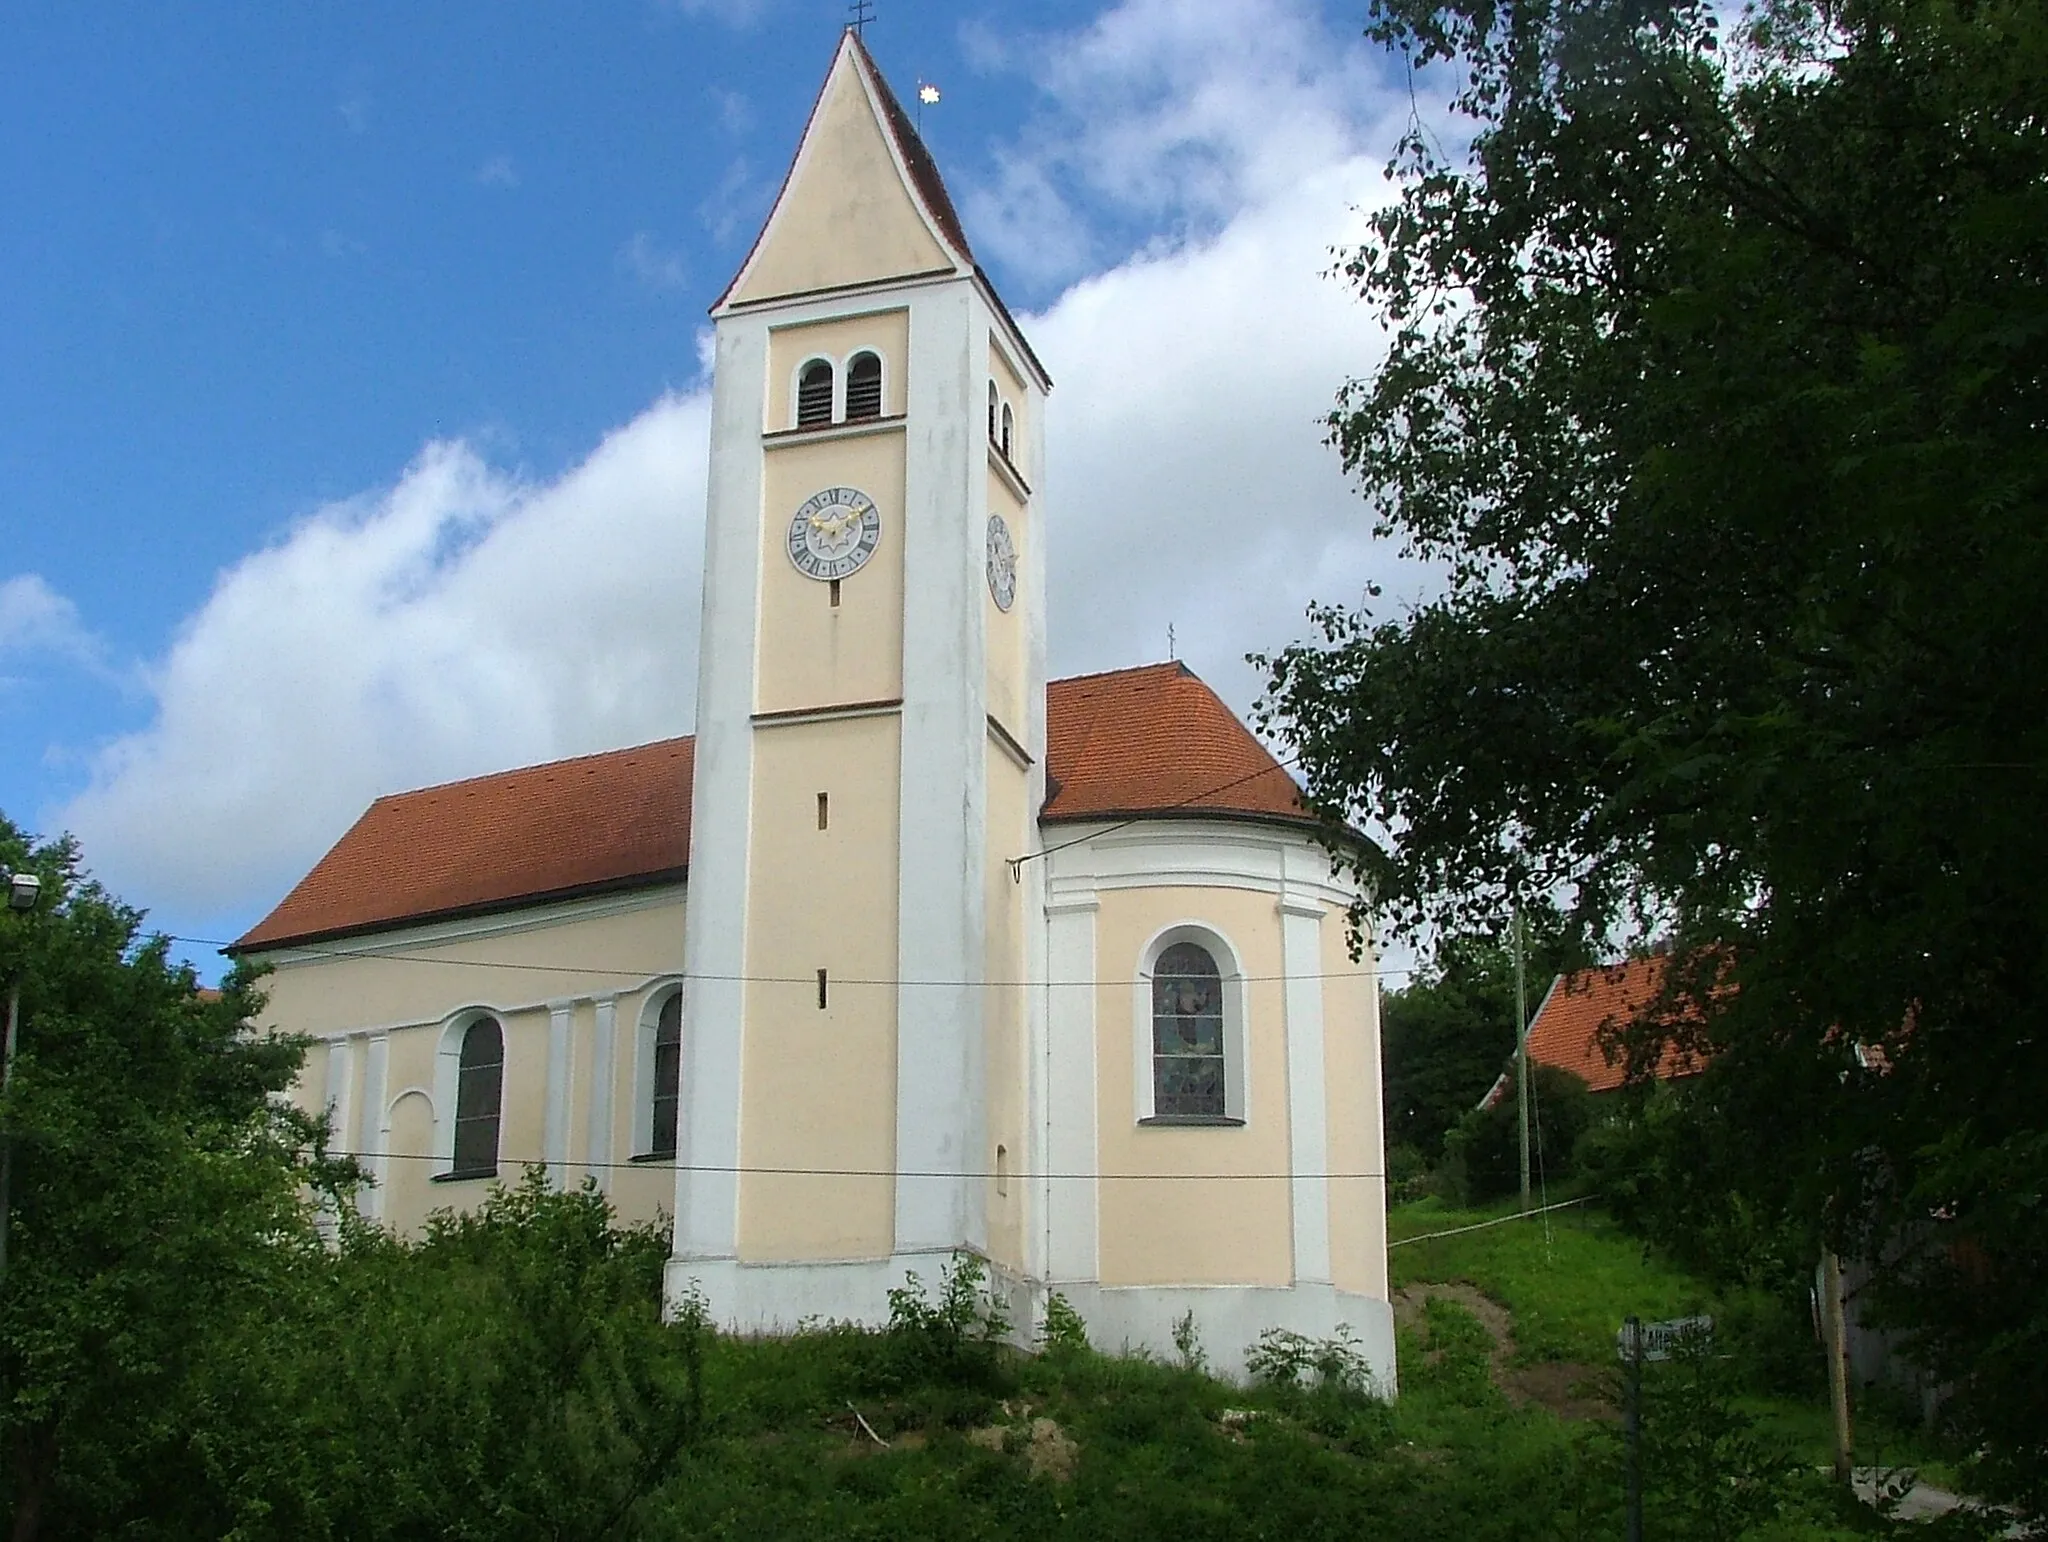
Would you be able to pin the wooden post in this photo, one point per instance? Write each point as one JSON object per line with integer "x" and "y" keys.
{"x": 1836, "y": 1332}
{"x": 1632, "y": 1428}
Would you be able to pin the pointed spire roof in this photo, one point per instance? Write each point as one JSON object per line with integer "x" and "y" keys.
{"x": 862, "y": 202}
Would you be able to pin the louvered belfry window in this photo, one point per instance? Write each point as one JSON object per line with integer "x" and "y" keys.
{"x": 814, "y": 395}
{"x": 864, "y": 387}
{"x": 1187, "y": 1034}
{"x": 668, "y": 1076}
{"x": 479, "y": 1087}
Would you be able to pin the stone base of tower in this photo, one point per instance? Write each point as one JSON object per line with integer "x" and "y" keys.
{"x": 1121, "y": 1319}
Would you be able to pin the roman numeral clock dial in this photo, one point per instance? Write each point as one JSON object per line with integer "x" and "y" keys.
{"x": 834, "y": 533}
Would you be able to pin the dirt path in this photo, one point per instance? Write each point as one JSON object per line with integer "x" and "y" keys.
{"x": 1568, "y": 1390}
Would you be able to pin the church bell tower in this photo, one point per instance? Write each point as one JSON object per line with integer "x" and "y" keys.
{"x": 857, "y": 1079}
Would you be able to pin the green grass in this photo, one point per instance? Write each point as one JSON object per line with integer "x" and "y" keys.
{"x": 1568, "y": 1286}
{"x": 1159, "y": 1452}
{"x": 1568, "y": 1278}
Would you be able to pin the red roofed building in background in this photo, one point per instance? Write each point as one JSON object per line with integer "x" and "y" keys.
{"x": 907, "y": 951}
{"x": 1571, "y": 1028}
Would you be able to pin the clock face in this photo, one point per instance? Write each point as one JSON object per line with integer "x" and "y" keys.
{"x": 834, "y": 533}
{"x": 1002, "y": 563}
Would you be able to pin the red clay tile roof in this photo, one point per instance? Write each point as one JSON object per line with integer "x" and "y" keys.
{"x": 1153, "y": 742}
{"x": 543, "y": 832}
{"x": 1566, "y": 1029}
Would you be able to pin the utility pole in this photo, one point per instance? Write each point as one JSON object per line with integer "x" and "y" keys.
{"x": 1522, "y": 1052}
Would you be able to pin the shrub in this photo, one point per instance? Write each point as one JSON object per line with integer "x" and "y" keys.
{"x": 955, "y": 1340}
{"x": 1062, "y": 1332}
{"x": 1482, "y": 1151}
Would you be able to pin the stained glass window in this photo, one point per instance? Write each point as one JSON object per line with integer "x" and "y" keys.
{"x": 1187, "y": 1033}
{"x": 479, "y": 1084}
{"x": 668, "y": 1071}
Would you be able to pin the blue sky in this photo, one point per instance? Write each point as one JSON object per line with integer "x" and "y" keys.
{"x": 351, "y": 411}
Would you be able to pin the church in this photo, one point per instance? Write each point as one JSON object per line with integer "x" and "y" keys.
{"x": 908, "y": 952}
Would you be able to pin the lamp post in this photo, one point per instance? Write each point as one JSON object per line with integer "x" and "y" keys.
{"x": 24, "y": 891}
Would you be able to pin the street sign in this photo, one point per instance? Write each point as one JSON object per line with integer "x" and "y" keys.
{"x": 1659, "y": 1340}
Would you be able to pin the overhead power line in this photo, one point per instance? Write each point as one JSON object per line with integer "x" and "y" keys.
{"x": 755, "y": 979}
{"x": 875, "y": 1172}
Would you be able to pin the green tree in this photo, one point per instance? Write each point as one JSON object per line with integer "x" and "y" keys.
{"x": 1451, "y": 1032}
{"x": 506, "y": 1375}
{"x": 159, "y": 1194}
{"x": 1717, "y": 389}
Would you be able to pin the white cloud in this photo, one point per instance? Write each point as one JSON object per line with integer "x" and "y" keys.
{"x": 459, "y": 621}
{"x": 36, "y": 618}
{"x": 656, "y": 266}
{"x": 1188, "y": 484}
{"x": 735, "y": 200}
{"x": 1173, "y": 119}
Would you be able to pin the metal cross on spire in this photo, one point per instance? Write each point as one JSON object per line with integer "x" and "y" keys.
{"x": 860, "y": 13}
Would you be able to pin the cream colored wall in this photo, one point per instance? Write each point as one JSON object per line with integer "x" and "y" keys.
{"x": 819, "y": 1087}
{"x": 812, "y": 653}
{"x": 845, "y": 217}
{"x": 886, "y": 333}
{"x": 513, "y": 966}
{"x": 1351, "y": 1072}
{"x": 1003, "y": 1006}
{"x": 1158, "y": 1230}
{"x": 1006, "y": 652}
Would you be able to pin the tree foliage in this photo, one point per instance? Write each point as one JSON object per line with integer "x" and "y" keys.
{"x": 1451, "y": 1031}
{"x": 158, "y": 1193}
{"x": 1717, "y": 389}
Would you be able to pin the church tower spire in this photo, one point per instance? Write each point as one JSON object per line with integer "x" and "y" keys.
{"x": 870, "y": 745}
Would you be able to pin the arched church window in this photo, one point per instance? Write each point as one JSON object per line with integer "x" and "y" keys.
{"x": 994, "y": 402}
{"x": 814, "y": 394}
{"x": 479, "y": 1090}
{"x": 1187, "y": 1034}
{"x": 1008, "y": 424}
{"x": 668, "y": 1076}
{"x": 864, "y": 387}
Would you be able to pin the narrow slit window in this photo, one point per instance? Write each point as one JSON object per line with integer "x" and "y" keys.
{"x": 1008, "y": 423}
{"x": 824, "y": 810}
{"x": 835, "y": 594}
{"x": 864, "y": 387}
{"x": 1002, "y": 1170}
{"x": 821, "y": 990}
{"x": 814, "y": 395}
{"x": 992, "y": 404}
